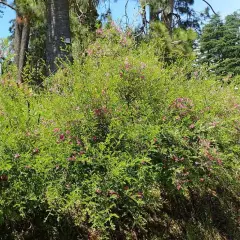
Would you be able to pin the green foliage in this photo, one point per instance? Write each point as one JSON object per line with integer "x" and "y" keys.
{"x": 83, "y": 24}
{"x": 6, "y": 55}
{"x": 220, "y": 44}
{"x": 118, "y": 146}
{"x": 170, "y": 48}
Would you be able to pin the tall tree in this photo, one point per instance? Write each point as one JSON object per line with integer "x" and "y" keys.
{"x": 21, "y": 33}
{"x": 220, "y": 44}
{"x": 83, "y": 17}
{"x": 175, "y": 13}
{"x": 58, "y": 33}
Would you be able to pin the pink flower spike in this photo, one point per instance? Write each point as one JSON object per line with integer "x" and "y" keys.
{"x": 62, "y": 137}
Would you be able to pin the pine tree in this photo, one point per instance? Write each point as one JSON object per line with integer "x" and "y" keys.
{"x": 220, "y": 44}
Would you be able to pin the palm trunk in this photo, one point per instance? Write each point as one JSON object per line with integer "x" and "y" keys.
{"x": 22, "y": 32}
{"x": 17, "y": 38}
{"x": 58, "y": 33}
{"x": 23, "y": 49}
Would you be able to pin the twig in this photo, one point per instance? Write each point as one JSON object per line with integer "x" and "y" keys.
{"x": 8, "y": 5}
{"x": 210, "y": 6}
{"x": 126, "y": 15}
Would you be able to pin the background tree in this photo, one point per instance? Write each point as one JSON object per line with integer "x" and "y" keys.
{"x": 58, "y": 33}
{"x": 220, "y": 44}
{"x": 83, "y": 17}
{"x": 24, "y": 19}
{"x": 176, "y": 13}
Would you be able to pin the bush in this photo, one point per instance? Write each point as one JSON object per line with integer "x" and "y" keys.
{"x": 120, "y": 146}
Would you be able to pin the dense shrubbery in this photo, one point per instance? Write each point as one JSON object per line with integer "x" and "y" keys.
{"x": 120, "y": 146}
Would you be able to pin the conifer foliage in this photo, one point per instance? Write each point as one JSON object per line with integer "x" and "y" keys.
{"x": 220, "y": 44}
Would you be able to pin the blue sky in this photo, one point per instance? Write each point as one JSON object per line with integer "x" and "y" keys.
{"x": 118, "y": 11}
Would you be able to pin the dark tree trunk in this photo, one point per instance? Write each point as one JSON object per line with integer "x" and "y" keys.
{"x": 58, "y": 33}
{"x": 170, "y": 16}
{"x": 144, "y": 19}
{"x": 153, "y": 14}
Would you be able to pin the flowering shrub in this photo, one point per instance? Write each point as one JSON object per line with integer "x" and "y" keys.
{"x": 118, "y": 147}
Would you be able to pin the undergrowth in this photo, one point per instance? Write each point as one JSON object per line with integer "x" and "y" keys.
{"x": 120, "y": 145}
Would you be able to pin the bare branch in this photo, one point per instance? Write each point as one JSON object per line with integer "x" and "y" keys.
{"x": 8, "y": 5}
{"x": 126, "y": 15}
{"x": 210, "y": 6}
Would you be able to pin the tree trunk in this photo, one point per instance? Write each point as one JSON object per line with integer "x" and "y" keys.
{"x": 153, "y": 14}
{"x": 170, "y": 16}
{"x": 58, "y": 33}
{"x": 17, "y": 38}
{"x": 167, "y": 15}
{"x": 23, "y": 48}
{"x": 22, "y": 32}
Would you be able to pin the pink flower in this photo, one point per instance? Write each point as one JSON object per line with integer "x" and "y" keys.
{"x": 179, "y": 186}
{"x": 36, "y": 150}
{"x": 56, "y": 130}
{"x": 98, "y": 191}
{"x": 176, "y": 159}
{"x": 99, "y": 31}
{"x": 17, "y": 155}
{"x": 127, "y": 66}
{"x": 62, "y": 137}
{"x": 67, "y": 132}
{"x": 219, "y": 161}
{"x": 72, "y": 159}
{"x": 113, "y": 193}
{"x": 213, "y": 124}
{"x": 123, "y": 41}
{"x": 89, "y": 52}
{"x": 140, "y": 195}
{"x": 192, "y": 126}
